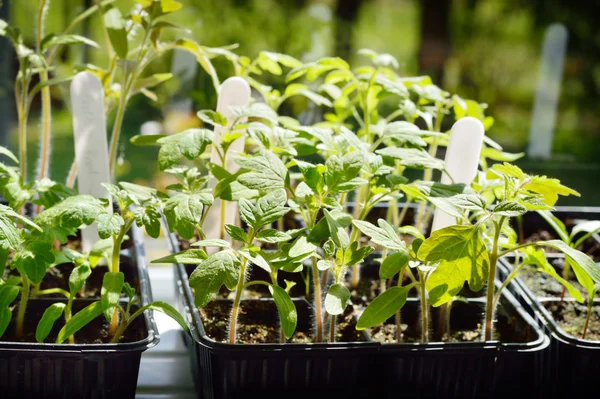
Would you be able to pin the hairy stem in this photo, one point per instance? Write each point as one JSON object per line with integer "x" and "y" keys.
{"x": 68, "y": 316}
{"x": 318, "y": 302}
{"x": 424, "y": 310}
{"x": 398, "y": 327}
{"x": 236, "y": 302}
{"x": 332, "y": 329}
{"x": 489, "y": 306}
{"x": 22, "y": 305}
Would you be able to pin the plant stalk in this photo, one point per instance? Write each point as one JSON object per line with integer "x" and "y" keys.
{"x": 424, "y": 315}
{"x": 318, "y": 302}
{"x": 236, "y": 302}
{"x": 489, "y": 306}
{"x": 332, "y": 329}
{"x": 22, "y": 305}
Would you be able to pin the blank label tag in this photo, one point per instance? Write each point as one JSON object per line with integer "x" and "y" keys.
{"x": 462, "y": 161}
{"x": 91, "y": 149}
{"x": 234, "y": 92}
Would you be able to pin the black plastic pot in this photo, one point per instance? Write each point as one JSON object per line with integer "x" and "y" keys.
{"x": 221, "y": 370}
{"x": 370, "y": 369}
{"x": 468, "y": 369}
{"x": 574, "y": 362}
{"x": 76, "y": 370}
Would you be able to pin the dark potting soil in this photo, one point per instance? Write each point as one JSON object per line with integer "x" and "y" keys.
{"x": 258, "y": 323}
{"x": 58, "y": 277}
{"x": 466, "y": 321}
{"x": 571, "y": 315}
{"x": 96, "y": 332}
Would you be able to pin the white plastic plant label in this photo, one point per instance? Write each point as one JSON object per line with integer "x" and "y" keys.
{"x": 91, "y": 148}
{"x": 234, "y": 92}
{"x": 462, "y": 161}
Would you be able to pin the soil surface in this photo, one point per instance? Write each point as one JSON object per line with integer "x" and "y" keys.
{"x": 258, "y": 323}
{"x": 570, "y": 316}
{"x": 96, "y": 332}
{"x": 466, "y": 321}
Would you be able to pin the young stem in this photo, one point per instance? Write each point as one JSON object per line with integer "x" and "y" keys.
{"x": 332, "y": 329}
{"x": 22, "y": 305}
{"x": 222, "y": 222}
{"x": 398, "y": 327}
{"x": 114, "y": 139}
{"x": 236, "y": 302}
{"x": 116, "y": 267}
{"x": 587, "y": 318}
{"x": 356, "y": 235}
{"x": 318, "y": 302}
{"x": 448, "y": 314}
{"x": 68, "y": 316}
{"x": 489, "y": 306}
{"x": 424, "y": 310}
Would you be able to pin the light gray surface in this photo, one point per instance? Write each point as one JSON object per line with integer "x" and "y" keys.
{"x": 165, "y": 369}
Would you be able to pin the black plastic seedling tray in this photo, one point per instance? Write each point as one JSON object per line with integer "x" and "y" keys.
{"x": 222, "y": 370}
{"x": 436, "y": 369}
{"x": 574, "y": 363}
{"x": 80, "y": 371}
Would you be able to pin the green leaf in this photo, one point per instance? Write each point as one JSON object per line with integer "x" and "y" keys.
{"x": 286, "y": 309}
{"x": 301, "y": 249}
{"x": 462, "y": 256}
{"x": 9, "y": 154}
{"x": 267, "y": 172}
{"x": 538, "y": 258}
{"x": 220, "y": 268}
{"x": 78, "y": 277}
{"x": 143, "y": 140}
{"x": 321, "y": 230}
{"x": 393, "y": 264}
{"x": 34, "y": 262}
{"x": 270, "y": 208}
{"x": 109, "y": 225}
{"x": 405, "y": 132}
{"x": 576, "y": 257}
{"x": 149, "y": 217}
{"x": 383, "y": 307}
{"x": 186, "y": 257}
{"x": 357, "y": 255}
{"x": 509, "y": 209}
{"x": 190, "y": 144}
{"x": 340, "y": 172}
{"x": 67, "y": 40}
{"x": 323, "y": 265}
{"x": 236, "y": 233}
{"x": 112, "y": 285}
{"x": 338, "y": 233}
{"x": 557, "y": 225}
{"x": 170, "y": 311}
{"x": 8, "y": 293}
{"x": 550, "y": 189}
{"x": 183, "y": 212}
{"x": 426, "y": 189}
{"x": 336, "y": 299}
{"x": 256, "y": 259}
{"x": 211, "y": 117}
{"x": 5, "y": 316}
{"x": 151, "y": 81}
{"x": 117, "y": 33}
{"x": 80, "y": 320}
{"x": 273, "y": 236}
{"x": 72, "y": 212}
{"x": 384, "y": 235}
{"x": 412, "y": 157}
{"x": 212, "y": 242}
{"x": 498, "y": 155}
{"x": 51, "y": 314}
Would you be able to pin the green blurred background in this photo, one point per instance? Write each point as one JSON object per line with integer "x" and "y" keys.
{"x": 488, "y": 50}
